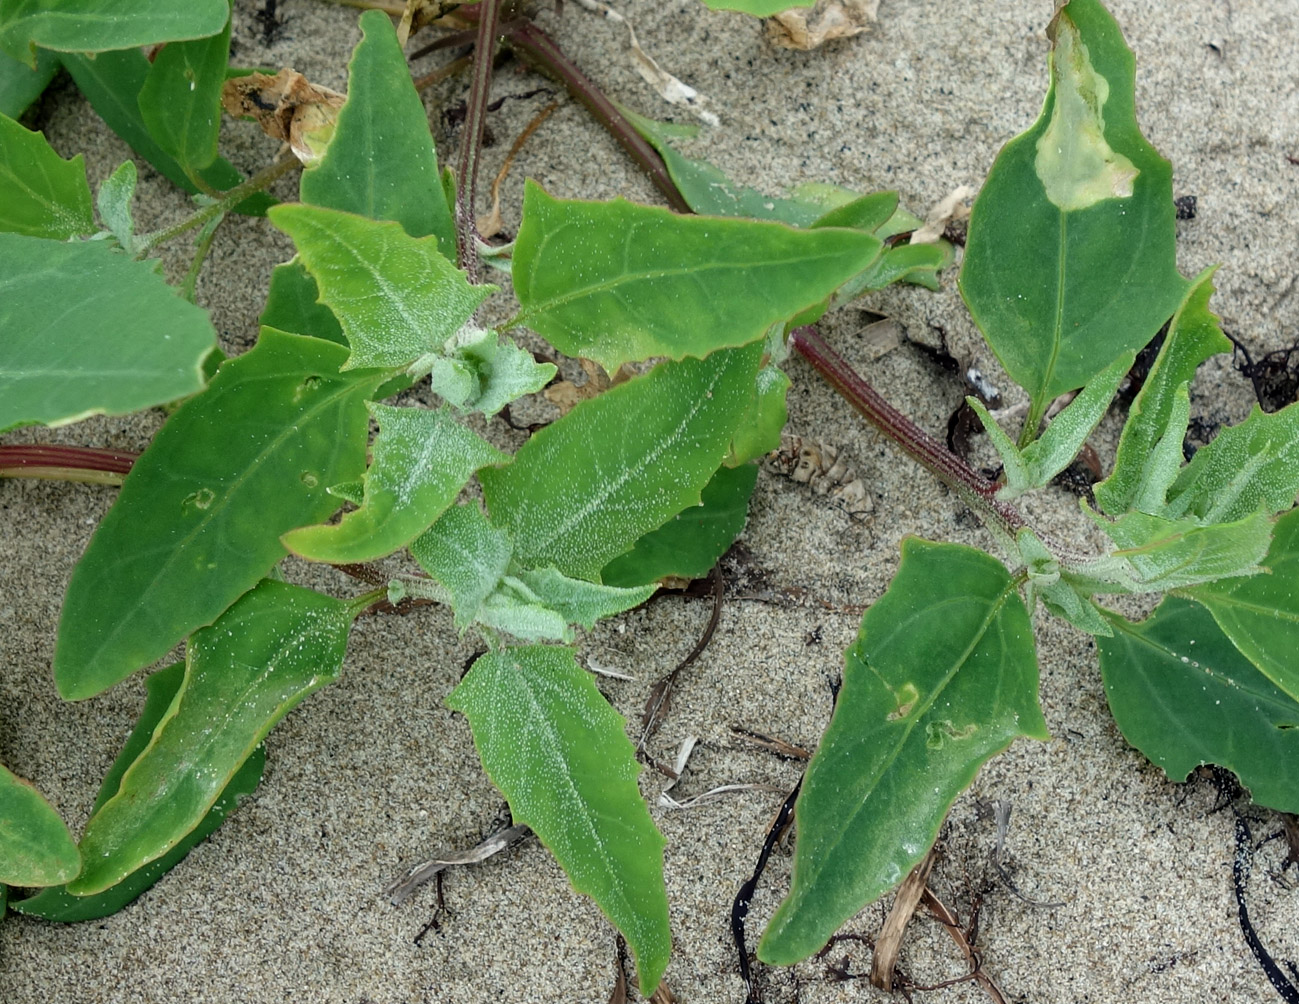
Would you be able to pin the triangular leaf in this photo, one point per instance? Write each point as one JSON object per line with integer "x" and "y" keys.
{"x": 1070, "y": 258}
{"x": 381, "y": 162}
{"x": 942, "y": 676}
{"x": 467, "y": 555}
{"x": 396, "y": 296}
{"x": 422, "y": 459}
{"x": 1141, "y": 467}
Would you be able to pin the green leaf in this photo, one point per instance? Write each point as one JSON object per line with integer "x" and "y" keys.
{"x": 422, "y": 459}
{"x": 1260, "y": 614}
{"x": 1150, "y": 448}
{"x": 1184, "y": 696}
{"x": 45, "y": 195}
{"x": 689, "y": 544}
{"x": 381, "y": 162}
{"x": 580, "y": 602}
{"x": 395, "y": 295}
{"x": 709, "y": 192}
{"x": 57, "y": 903}
{"x": 758, "y": 432}
{"x": 180, "y": 101}
{"x": 942, "y": 676}
{"x": 484, "y": 371}
{"x": 467, "y": 555}
{"x": 242, "y": 675}
{"x": 88, "y": 331}
{"x": 584, "y": 489}
{"x": 1165, "y": 554}
{"x": 20, "y": 84}
{"x": 1070, "y": 258}
{"x": 292, "y": 305}
{"x": 1058, "y": 592}
{"x": 1247, "y": 467}
{"x": 917, "y": 264}
{"x": 36, "y": 848}
{"x": 868, "y": 212}
{"x": 559, "y": 753}
{"x": 615, "y": 281}
{"x": 113, "y": 200}
{"x": 1047, "y": 456}
{"x": 97, "y": 25}
{"x": 111, "y": 82}
{"x": 758, "y": 8}
{"x": 199, "y": 519}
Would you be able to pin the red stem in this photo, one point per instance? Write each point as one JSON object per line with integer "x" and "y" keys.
{"x": 67, "y": 463}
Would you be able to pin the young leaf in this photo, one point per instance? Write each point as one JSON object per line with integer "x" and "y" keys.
{"x": 98, "y": 25}
{"x": 1247, "y": 467}
{"x": 1070, "y": 258}
{"x": 20, "y": 84}
{"x": 45, "y": 195}
{"x": 1047, "y": 456}
{"x": 242, "y": 675}
{"x": 467, "y": 555}
{"x": 199, "y": 519}
{"x": 615, "y": 281}
{"x": 558, "y": 752}
{"x": 580, "y": 602}
{"x": 292, "y": 304}
{"x": 1184, "y": 696}
{"x": 1260, "y": 613}
{"x": 868, "y": 212}
{"x": 481, "y": 370}
{"x": 422, "y": 459}
{"x": 381, "y": 162}
{"x": 689, "y": 544}
{"x": 113, "y": 200}
{"x": 396, "y": 296}
{"x": 111, "y": 82}
{"x": 180, "y": 101}
{"x": 36, "y": 848}
{"x": 56, "y": 903}
{"x": 88, "y": 331}
{"x": 1141, "y": 474}
{"x": 583, "y": 490}
{"x": 1168, "y": 554}
{"x": 942, "y": 676}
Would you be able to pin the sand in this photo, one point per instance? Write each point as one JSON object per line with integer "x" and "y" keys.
{"x": 373, "y": 774}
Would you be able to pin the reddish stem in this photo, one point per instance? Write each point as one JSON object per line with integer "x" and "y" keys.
{"x": 67, "y": 463}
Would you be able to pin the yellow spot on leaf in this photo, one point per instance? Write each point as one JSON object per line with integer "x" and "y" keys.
{"x": 1077, "y": 166}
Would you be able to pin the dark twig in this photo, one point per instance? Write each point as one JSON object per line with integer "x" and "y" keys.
{"x": 740, "y": 906}
{"x": 1240, "y": 869}
{"x": 963, "y": 941}
{"x": 661, "y": 693}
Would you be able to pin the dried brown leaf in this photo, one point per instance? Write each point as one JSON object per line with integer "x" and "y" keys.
{"x": 288, "y": 107}
{"x": 810, "y": 27}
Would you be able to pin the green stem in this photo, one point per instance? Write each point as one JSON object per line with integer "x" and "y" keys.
{"x": 262, "y": 179}
{"x": 362, "y": 603}
{"x": 201, "y": 250}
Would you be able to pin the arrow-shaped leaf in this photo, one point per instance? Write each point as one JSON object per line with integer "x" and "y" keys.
{"x": 396, "y": 296}
{"x": 422, "y": 458}
{"x": 943, "y": 675}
